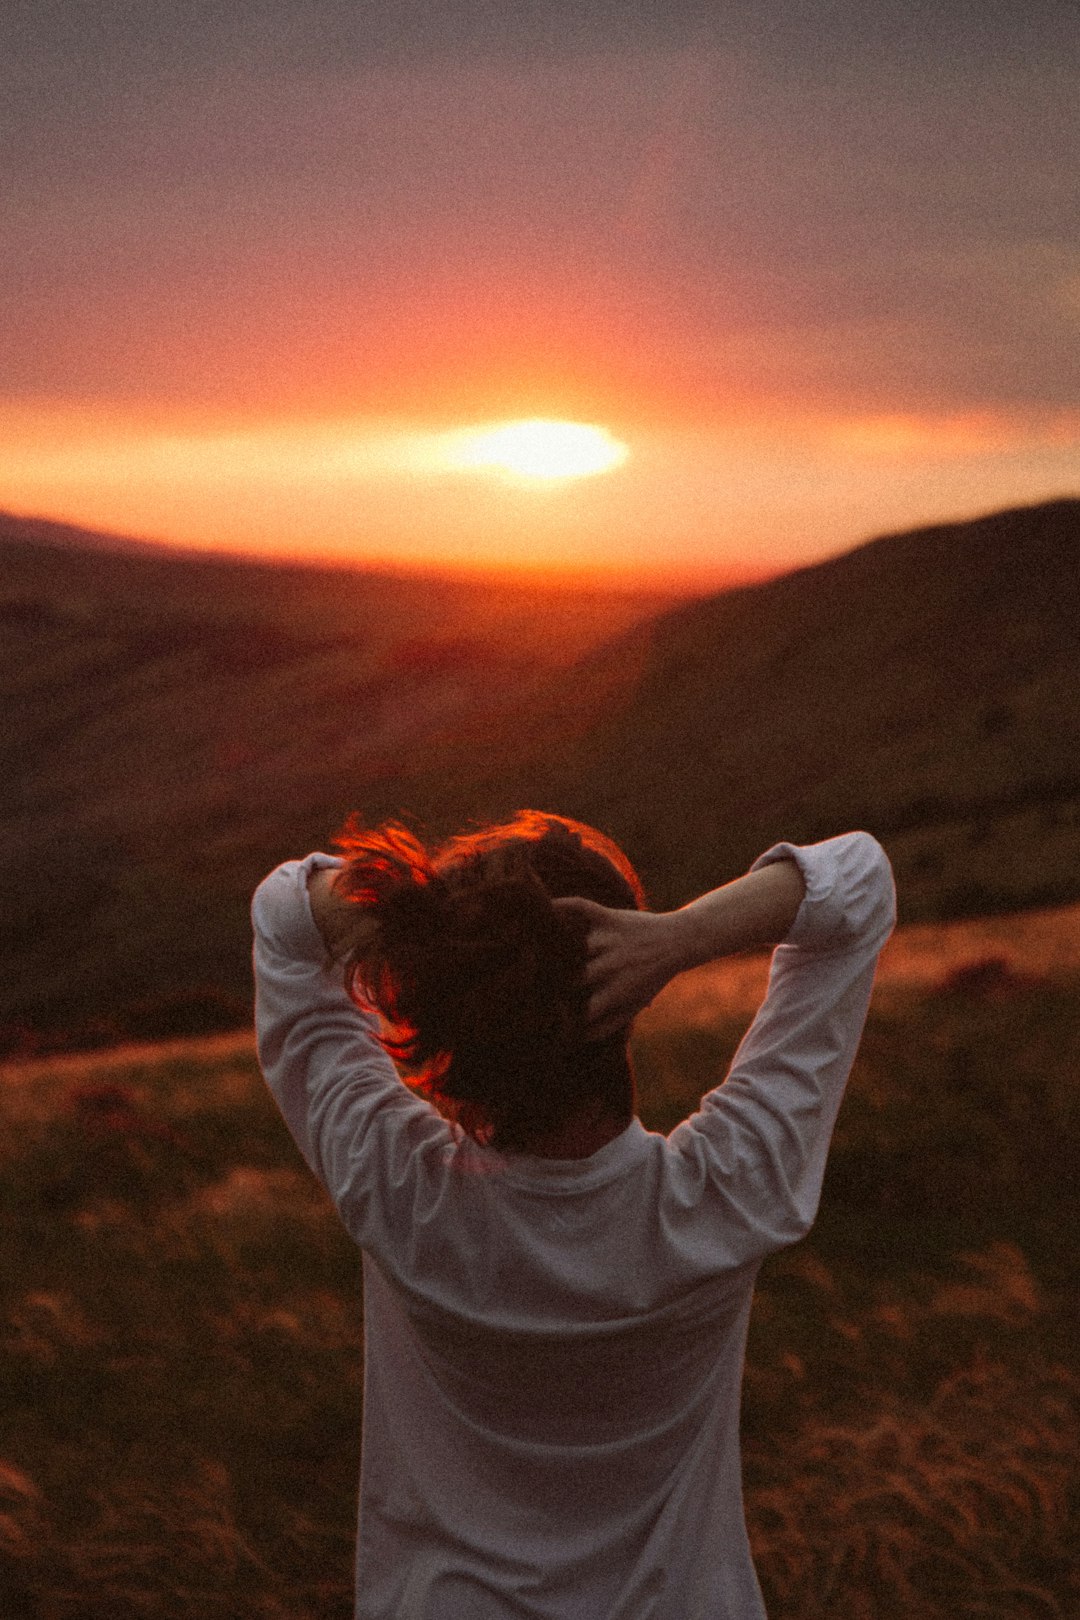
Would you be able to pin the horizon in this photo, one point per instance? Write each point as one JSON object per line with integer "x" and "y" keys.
{"x": 483, "y": 520}
{"x": 661, "y": 581}
{"x": 656, "y": 579}
{"x": 814, "y": 279}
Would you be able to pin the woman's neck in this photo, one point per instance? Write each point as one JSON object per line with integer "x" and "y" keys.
{"x": 581, "y": 1136}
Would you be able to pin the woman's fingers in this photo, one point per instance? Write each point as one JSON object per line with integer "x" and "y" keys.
{"x": 603, "y": 962}
{"x": 626, "y": 962}
{"x": 589, "y": 914}
{"x": 596, "y": 925}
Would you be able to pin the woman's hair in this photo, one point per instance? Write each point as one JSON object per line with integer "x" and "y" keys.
{"x": 479, "y": 978}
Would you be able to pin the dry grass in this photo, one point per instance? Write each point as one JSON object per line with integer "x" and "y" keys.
{"x": 957, "y": 1503}
{"x": 180, "y": 1330}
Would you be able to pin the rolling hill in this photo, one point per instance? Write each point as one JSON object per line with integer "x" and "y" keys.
{"x": 925, "y": 685}
{"x": 174, "y": 724}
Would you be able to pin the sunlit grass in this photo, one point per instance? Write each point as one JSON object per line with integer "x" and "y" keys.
{"x": 180, "y": 1330}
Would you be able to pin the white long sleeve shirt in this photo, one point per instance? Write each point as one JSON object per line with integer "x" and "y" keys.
{"x": 554, "y": 1348}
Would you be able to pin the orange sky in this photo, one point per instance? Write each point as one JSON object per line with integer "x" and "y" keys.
{"x": 742, "y": 493}
{"x": 821, "y": 283}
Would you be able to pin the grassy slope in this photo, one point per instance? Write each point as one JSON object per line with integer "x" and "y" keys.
{"x": 926, "y": 686}
{"x": 180, "y": 1327}
{"x": 172, "y": 726}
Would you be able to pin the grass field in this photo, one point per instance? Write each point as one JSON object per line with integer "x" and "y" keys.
{"x": 180, "y": 1325}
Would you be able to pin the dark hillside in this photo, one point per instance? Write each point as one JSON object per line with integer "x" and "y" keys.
{"x": 926, "y": 686}
{"x": 107, "y": 580}
{"x": 173, "y": 724}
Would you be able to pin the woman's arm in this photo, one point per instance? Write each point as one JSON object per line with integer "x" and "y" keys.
{"x": 751, "y": 1159}
{"x": 352, "y": 1118}
{"x": 760, "y": 1138}
{"x": 633, "y": 954}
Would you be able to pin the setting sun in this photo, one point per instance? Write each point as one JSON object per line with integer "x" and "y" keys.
{"x": 538, "y": 448}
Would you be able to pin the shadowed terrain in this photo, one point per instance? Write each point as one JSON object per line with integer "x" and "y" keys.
{"x": 925, "y": 686}
{"x": 180, "y": 1327}
{"x": 173, "y": 725}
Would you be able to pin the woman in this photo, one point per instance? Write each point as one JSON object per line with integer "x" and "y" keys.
{"x": 555, "y": 1299}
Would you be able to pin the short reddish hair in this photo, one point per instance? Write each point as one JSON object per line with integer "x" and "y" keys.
{"x": 478, "y": 976}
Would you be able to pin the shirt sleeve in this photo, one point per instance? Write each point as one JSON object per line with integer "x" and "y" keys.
{"x": 351, "y": 1116}
{"x": 759, "y": 1141}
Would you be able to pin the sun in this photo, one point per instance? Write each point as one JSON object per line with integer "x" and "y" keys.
{"x": 539, "y": 448}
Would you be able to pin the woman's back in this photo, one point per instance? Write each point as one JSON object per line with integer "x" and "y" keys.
{"x": 569, "y": 1430}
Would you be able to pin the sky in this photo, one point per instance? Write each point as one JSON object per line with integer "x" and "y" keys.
{"x": 815, "y": 267}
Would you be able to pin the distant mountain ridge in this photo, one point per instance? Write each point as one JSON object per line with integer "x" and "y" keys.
{"x": 50, "y": 532}
{"x": 174, "y": 725}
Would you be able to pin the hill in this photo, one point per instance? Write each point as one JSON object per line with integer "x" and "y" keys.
{"x": 176, "y": 724}
{"x": 925, "y": 686}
